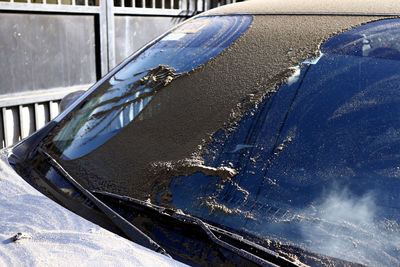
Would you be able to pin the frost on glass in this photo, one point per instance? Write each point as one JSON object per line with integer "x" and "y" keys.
{"x": 120, "y": 99}
{"x": 318, "y": 161}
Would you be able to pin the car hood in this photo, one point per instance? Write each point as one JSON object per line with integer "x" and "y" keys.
{"x": 52, "y": 235}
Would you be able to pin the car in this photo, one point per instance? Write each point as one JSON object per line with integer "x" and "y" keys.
{"x": 258, "y": 133}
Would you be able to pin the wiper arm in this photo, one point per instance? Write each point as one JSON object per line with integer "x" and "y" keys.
{"x": 227, "y": 240}
{"x": 126, "y": 227}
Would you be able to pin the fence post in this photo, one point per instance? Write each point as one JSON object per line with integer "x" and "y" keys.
{"x": 110, "y": 34}
{"x": 107, "y": 36}
{"x": 103, "y": 37}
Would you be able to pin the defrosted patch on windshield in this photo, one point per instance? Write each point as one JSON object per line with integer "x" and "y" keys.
{"x": 122, "y": 98}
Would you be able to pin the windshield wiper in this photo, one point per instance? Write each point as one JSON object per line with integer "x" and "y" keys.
{"x": 219, "y": 237}
{"x": 133, "y": 233}
{"x": 235, "y": 243}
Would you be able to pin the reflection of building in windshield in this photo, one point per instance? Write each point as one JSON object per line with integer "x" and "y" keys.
{"x": 107, "y": 114}
{"x": 119, "y": 101}
{"x": 114, "y": 112}
{"x": 133, "y": 99}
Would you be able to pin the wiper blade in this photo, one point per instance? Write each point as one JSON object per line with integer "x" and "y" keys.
{"x": 133, "y": 233}
{"x": 220, "y": 237}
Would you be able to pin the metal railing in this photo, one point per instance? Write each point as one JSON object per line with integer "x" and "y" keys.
{"x": 57, "y": 2}
{"x": 23, "y": 114}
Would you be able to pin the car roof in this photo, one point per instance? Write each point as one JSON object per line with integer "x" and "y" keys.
{"x": 357, "y": 7}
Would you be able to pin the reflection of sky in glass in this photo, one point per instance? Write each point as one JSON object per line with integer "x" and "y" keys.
{"x": 108, "y": 110}
{"x": 379, "y": 40}
{"x": 319, "y": 158}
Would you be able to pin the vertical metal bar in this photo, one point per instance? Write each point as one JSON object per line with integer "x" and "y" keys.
{"x": 153, "y": 4}
{"x": 35, "y": 112}
{"x": 73, "y": 3}
{"x": 2, "y": 141}
{"x": 41, "y": 114}
{"x": 122, "y": 3}
{"x": 29, "y": 2}
{"x": 110, "y": 34}
{"x": 12, "y": 125}
{"x": 103, "y": 37}
{"x": 21, "y": 122}
{"x": 86, "y": 3}
{"x": 163, "y": 4}
{"x": 143, "y": 3}
{"x": 5, "y": 130}
{"x": 53, "y": 109}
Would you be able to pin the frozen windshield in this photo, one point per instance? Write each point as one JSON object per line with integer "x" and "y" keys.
{"x": 121, "y": 99}
{"x": 319, "y": 161}
{"x": 314, "y": 165}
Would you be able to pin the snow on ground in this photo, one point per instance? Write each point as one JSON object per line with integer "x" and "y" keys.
{"x": 54, "y": 236}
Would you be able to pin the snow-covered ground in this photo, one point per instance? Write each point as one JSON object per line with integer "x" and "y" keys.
{"x": 54, "y": 236}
